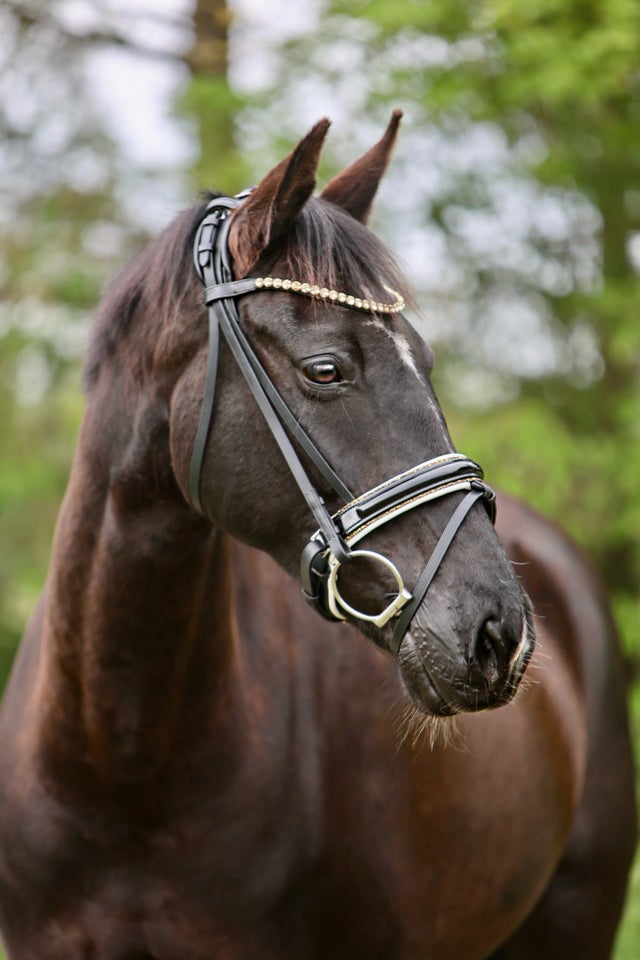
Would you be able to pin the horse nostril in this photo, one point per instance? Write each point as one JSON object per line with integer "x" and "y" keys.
{"x": 492, "y": 650}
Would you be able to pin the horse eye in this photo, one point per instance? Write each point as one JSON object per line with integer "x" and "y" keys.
{"x": 323, "y": 371}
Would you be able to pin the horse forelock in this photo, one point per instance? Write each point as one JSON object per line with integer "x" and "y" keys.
{"x": 329, "y": 248}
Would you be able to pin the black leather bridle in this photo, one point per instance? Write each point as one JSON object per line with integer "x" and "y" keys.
{"x": 332, "y": 544}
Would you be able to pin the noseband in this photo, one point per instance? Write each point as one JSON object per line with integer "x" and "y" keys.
{"x": 331, "y": 546}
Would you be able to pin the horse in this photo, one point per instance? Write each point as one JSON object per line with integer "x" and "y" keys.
{"x": 270, "y": 702}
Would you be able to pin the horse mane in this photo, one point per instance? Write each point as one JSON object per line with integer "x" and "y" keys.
{"x": 145, "y": 290}
{"x": 325, "y": 246}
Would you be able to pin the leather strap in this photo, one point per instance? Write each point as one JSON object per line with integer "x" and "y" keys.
{"x": 245, "y": 360}
{"x": 206, "y": 414}
{"x": 233, "y": 288}
{"x": 429, "y": 480}
{"x": 204, "y": 253}
{"x": 431, "y": 568}
{"x": 282, "y": 410}
{"x": 211, "y": 255}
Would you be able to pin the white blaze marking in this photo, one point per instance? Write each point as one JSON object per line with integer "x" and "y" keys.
{"x": 402, "y": 346}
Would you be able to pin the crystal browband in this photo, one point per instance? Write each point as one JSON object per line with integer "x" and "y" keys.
{"x": 334, "y": 296}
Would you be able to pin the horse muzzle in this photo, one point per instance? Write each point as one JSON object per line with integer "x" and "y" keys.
{"x": 449, "y": 668}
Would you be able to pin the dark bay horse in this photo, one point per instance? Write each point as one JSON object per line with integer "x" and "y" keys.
{"x": 195, "y": 763}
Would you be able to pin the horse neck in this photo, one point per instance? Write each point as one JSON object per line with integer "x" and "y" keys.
{"x": 139, "y": 620}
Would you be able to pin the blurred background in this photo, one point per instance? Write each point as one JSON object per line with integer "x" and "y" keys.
{"x": 513, "y": 201}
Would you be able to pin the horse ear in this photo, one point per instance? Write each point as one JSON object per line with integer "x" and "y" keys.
{"x": 355, "y": 188}
{"x": 267, "y": 213}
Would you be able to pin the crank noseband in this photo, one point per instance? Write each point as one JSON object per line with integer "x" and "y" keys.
{"x": 431, "y": 480}
{"x": 331, "y": 546}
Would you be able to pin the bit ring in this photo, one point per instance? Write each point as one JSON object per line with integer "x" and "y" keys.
{"x": 339, "y": 606}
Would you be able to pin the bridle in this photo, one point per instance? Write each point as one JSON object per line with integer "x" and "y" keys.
{"x": 332, "y": 544}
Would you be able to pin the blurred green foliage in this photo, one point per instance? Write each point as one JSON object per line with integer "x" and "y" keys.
{"x": 50, "y": 284}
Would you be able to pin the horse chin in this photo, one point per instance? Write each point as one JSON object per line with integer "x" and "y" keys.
{"x": 418, "y": 683}
{"x": 444, "y": 688}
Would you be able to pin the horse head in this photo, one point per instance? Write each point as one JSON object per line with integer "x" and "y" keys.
{"x": 310, "y": 303}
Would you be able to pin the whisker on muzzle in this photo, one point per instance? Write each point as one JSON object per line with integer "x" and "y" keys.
{"x": 415, "y": 728}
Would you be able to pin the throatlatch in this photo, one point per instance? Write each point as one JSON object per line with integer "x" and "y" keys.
{"x": 331, "y": 546}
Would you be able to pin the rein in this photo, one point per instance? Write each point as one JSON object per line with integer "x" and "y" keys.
{"x": 332, "y": 544}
